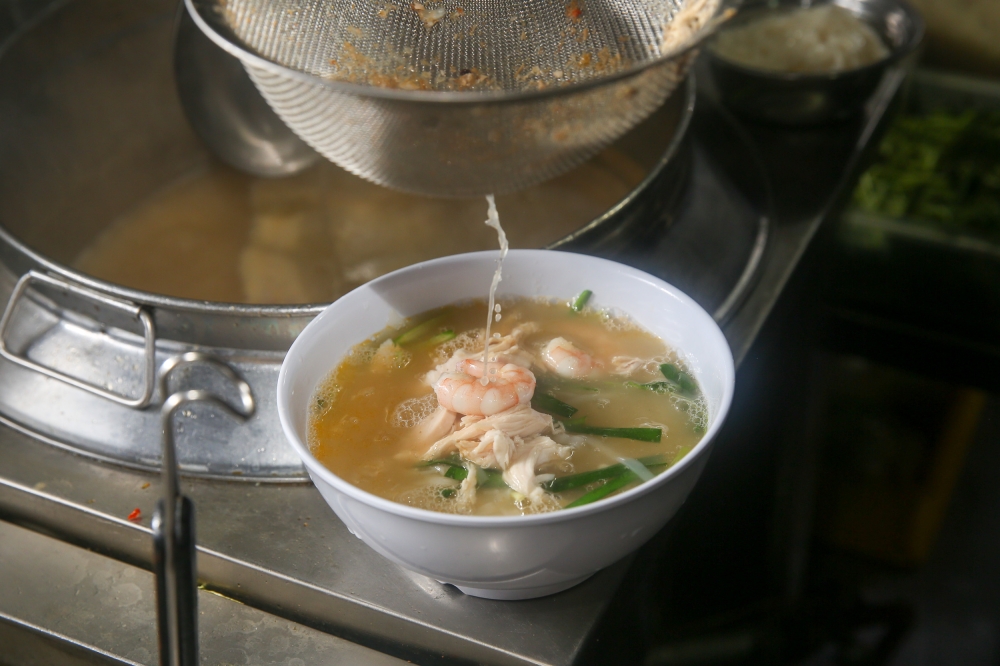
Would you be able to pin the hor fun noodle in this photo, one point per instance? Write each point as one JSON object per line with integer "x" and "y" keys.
{"x": 818, "y": 40}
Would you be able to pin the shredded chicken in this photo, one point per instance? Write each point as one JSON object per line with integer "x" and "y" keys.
{"x": 503, "y": 350}
{"x": 466, "y": 421}
{"x": 389, "y": 356}
{"x": 519, "y": 421}
{"x": 491, "y": 451}
{"x": 530, "y": 454}
{"x": 467, "y": 491}
{"x": 626, "y": 365}
{"x": 436, "y": 425}
{"x": 517, "y": 441}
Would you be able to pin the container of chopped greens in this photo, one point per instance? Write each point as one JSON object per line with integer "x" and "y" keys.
{"x": 920, "y": 240}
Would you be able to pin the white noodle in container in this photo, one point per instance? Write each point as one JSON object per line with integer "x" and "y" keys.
{"x": 508, "y": 557}
{"x": 783, "y": 64}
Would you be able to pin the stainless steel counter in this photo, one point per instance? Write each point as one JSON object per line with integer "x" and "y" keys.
{"x": 56, "y": 598}
{"x": 279, "y": 549}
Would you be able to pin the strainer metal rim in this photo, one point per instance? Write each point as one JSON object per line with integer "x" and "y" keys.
{"x": 725, "y": 11}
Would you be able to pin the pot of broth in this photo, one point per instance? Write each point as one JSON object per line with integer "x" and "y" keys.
{"x": 124, "y": 243}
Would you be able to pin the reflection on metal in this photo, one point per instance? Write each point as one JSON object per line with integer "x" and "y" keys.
{"x": 92, "y": 342}
{"x": 59, "y": 114}
{"x": 61, "y": 604}
{"x": 148, "y": 334}
{"x": 226, "y": 111}
{"x": 749, "y": 275}
{"x": 173, "y": 522}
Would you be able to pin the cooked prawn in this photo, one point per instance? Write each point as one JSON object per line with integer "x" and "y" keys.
{"x": 566, "y": 359}
{"x": 464, "y": 391}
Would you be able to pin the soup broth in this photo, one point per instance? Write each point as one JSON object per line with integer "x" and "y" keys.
{"x": 368, "y": 421}
{"x": 221, "y": 235}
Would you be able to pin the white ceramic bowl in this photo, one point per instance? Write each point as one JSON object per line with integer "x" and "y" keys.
{"x": 517, "y": 557}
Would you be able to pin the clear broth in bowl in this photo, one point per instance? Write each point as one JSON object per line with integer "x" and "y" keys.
{"x": 365, "y": 419}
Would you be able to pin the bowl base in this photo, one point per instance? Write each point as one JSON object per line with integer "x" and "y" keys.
{"x": 522, "y": 592}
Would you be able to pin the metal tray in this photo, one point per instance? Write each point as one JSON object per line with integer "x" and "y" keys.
{"x": 912, "y": 273}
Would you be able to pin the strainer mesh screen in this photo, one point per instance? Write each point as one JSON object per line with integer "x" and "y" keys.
{"x": 473, "y": 143}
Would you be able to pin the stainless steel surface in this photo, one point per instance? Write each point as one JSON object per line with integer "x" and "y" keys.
{"x": 790, "y": 238}
{"x": 56, "y": 81}
{"x": 805, "y": 99}
{"x": 279, "y": 548}
{"x": 60, "y": 604}
{"x": 100, "y": 300}
{"x": 228, "y": 113}
{"x": 92, "y": 84}
{"x": 174, "y": 401}
{"x": 641, "y": 213}
{"x": 85, "y": 347}
{"x": 92, "y": 127}
{"x": 378, "y": 89}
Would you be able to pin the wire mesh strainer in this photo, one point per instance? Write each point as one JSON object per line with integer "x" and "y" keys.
{"x": 461, "y": 97}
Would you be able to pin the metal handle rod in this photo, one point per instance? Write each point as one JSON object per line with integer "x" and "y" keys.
{"x": 173, "y": 522}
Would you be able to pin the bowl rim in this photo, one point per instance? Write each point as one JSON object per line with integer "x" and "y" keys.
{"x": 314, "y": 466}
{"x": 895, "y": 54}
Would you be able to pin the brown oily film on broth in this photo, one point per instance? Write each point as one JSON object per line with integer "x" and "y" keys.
{"x": 313, "y": 237}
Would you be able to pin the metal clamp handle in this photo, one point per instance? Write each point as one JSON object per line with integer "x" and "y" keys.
{"x": 149, "y": 338}
{"x": 173, "y": 522}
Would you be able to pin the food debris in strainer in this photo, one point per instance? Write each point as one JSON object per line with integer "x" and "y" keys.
{"x": 573, "y": 11}
{"x": 429, "y": 16}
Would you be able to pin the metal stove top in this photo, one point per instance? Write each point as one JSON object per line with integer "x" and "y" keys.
{"x": 283, "y": 553}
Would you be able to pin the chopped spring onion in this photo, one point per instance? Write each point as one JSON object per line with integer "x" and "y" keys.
{"x": 680, "y": 378}
{"x": 544, "y": 402}
{"x": 572, "y": 481}
{"x": 637, "y": 468}
{"x": 417, "y": 332}
{"x": 457, "y": 473}
{"x": 550, "y": 382}
{"x": 581, "y": 300}
{"x": 485, "y": 478}
{"x": 454, "y": 461}
{"x": 490, "y": 478}
{"x": 603, "y": 491}
{"x": 448, "y": 492}
{"x": 640, "y": 434}
{"x": 443, "y": 336}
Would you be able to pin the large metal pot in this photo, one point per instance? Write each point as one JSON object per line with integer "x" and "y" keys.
{"x": 90, "y": 127}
